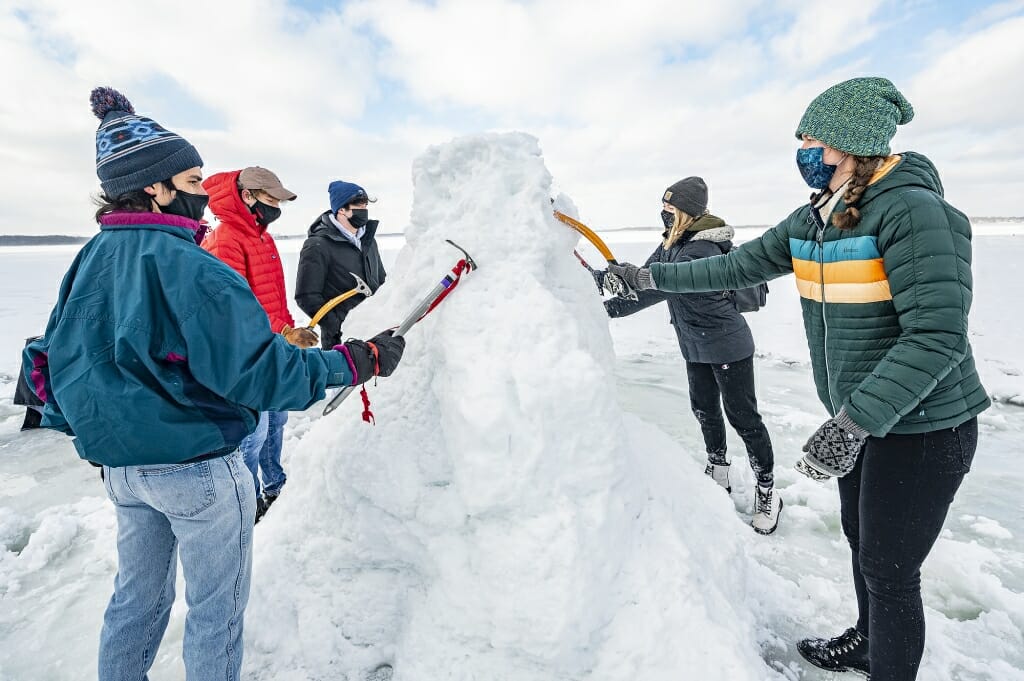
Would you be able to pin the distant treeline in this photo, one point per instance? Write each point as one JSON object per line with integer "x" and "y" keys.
{"x": 63, "y": 240}
{"x": 48, "y": 240}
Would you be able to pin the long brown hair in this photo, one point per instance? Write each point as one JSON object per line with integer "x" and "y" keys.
{"x": 679, "y": 225}
{"x": 864, "y": 168}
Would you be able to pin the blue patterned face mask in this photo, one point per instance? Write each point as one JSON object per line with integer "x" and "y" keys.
{"x": 811, "y": 162}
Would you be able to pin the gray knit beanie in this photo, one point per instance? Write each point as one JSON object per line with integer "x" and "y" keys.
{"x": 689, "y": 195}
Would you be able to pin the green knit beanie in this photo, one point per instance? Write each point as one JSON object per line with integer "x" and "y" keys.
{"x": 858, "y": 116}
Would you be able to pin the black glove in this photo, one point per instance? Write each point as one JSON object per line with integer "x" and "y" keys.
{"x": 599, "y": 279}
{"x": 368, "y": 363}
{"x": 833, "y": 449}
{"x": 637, "y": 278}
{"x": 390, "y": 349}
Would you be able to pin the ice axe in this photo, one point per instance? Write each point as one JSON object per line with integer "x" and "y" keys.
{"x": 360, "y": 287}
{"x": 615, "y": 285}
{"x": 425, "y": 307}
{"x": 598, "y": 275}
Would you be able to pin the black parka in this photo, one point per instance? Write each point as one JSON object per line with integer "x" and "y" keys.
{"x": 326, "y": 265}
{"x": 708, "y": 326}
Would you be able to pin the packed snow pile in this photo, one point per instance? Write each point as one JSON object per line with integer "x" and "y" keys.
{"x": 502, "y": 520}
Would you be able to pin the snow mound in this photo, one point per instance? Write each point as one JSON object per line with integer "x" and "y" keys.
{"x": 502, "y": 520}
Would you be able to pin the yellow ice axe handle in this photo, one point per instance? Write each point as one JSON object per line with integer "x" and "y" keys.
{"x": 330, "y": 305}
{"x": 591, "y": 236}
{"x": 361, "y": 287}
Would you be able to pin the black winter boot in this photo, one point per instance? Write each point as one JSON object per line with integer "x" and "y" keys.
{"x": 847, "y": 652}
{"x": 263, "y": 503}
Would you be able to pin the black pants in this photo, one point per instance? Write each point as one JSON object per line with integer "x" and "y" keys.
{"x": 894, "y": 503}
{"x": 329, "y": 338}
{"x": 711, "y": 386}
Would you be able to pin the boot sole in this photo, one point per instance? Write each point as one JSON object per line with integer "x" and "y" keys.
{"x": 776, "y": 525}
{"x": 851, "y": 670}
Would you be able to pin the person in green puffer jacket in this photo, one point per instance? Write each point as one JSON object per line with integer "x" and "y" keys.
{"x": 883, "y": 267}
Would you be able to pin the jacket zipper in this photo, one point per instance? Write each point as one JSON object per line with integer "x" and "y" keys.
{"x": 824, "y": 318}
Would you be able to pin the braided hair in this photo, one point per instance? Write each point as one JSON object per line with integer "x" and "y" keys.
{"x": 864, "y": 168}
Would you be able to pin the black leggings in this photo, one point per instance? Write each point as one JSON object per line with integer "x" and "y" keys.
{"x": 894, "y": 503}
{"x": 711, "y": 386}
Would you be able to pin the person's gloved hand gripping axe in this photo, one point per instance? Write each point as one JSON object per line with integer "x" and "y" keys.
{"x": 375, "y": 357}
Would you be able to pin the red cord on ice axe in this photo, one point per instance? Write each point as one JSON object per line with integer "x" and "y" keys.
{"x": 367, "y": 414}
{"x": 425, "y": 307}
{"x": 460, "y": 267}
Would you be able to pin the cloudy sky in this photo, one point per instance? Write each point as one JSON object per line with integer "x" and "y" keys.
{"x": 625, "y": 97}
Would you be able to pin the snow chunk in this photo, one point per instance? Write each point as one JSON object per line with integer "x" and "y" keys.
{"x": 502, "y": 520}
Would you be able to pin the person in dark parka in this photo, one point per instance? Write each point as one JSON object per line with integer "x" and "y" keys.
{"x": 341, "y": 243}
{"x": 716, "y": 344}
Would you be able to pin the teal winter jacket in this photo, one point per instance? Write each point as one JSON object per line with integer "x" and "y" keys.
{"x": 157, "y": 352}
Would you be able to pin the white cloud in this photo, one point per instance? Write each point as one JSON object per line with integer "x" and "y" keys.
{"x": 624, "y": 99}
{"x": 973, "y": 81}
{"x": 539, "y": 58}
{"x": 824, "y": 30}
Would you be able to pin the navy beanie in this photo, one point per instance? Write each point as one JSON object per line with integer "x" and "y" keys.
{"x": 342, "y": 193}
{"x": 133, "y": 151}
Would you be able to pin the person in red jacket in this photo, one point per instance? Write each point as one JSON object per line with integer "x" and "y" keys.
{"x": 246, "y": 202}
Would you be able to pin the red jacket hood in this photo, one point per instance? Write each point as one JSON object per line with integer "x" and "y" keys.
{"x": 226, "y": 203}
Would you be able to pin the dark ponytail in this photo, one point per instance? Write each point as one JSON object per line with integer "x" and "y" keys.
{"x": 137, "y": 201}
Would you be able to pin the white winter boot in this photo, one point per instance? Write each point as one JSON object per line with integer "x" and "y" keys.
{"x": 719, "y": 472}
{"x": 767, "y": 507}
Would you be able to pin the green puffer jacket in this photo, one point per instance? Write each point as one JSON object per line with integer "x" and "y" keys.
{"x": 885, "y": 304}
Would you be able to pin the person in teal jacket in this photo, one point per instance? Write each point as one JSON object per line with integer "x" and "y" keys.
{"x": 883, "y": 266}
{"x": 157, "y": 359}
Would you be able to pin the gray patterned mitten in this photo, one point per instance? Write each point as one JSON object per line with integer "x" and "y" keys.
{"x": 833, "y": 449}
{"x": 637, "y": 278}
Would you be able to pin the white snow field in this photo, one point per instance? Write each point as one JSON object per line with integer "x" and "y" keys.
{"x": 531, "y": 503}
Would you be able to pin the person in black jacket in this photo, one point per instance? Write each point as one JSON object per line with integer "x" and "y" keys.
{"x": 341, "y": 243}
{"x": 716, "y": 344}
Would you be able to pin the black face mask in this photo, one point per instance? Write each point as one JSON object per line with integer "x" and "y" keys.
{"x": 264, "y": 214}
{"x": 360, "y": 216}
{"x": 191, "y": 206}
{"x": 668, "y": 219}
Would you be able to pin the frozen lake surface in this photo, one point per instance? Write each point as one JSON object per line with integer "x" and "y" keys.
{"x": 57, "y": 557}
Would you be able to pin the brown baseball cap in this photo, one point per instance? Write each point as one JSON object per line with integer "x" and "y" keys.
{"x": 261, "y": 178}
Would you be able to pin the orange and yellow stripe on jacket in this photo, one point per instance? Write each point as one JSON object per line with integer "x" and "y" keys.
{"x": 853, "y": 271}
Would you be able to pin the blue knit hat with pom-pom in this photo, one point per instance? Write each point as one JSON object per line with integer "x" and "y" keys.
{"x": 133, "y": 151}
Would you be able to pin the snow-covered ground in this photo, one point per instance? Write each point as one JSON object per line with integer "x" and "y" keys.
{"x": 530, "y": 505}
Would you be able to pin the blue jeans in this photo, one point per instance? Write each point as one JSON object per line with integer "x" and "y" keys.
{"x": 262, "y": 452}
{"x": 203, "y": 514}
